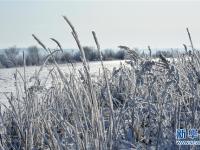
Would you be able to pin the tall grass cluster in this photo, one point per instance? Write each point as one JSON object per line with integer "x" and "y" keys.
{"x": 136, "y": 106}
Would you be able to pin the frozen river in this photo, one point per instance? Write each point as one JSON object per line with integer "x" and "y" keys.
{"x": 7, "y": 82}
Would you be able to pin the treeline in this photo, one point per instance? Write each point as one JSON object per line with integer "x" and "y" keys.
{"x": 13, "y": 56}
{"x": 33, "y": 56}
{"x": 166, "y": 53}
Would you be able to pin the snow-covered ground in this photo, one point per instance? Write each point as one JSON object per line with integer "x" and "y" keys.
{"x": 7, "y": 81}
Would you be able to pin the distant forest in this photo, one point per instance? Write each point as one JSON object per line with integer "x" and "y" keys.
{"x": 13, "y": 56}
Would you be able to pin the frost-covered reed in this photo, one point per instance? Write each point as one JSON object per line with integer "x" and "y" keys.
{"x": 138, "y": 105}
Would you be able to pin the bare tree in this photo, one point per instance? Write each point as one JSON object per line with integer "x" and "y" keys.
{"x": 66, "y": 57}
{"x": 11, "y": 54}
{"x": 108, "y": 54}
{"x": 3, "y": 61}
{"x": 120, "y": 55}
{"x": 33, "y": 57}
{"x": 90, "y": 53}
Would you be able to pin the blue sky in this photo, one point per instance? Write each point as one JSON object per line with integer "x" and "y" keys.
{"x": 160, "y": 24}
